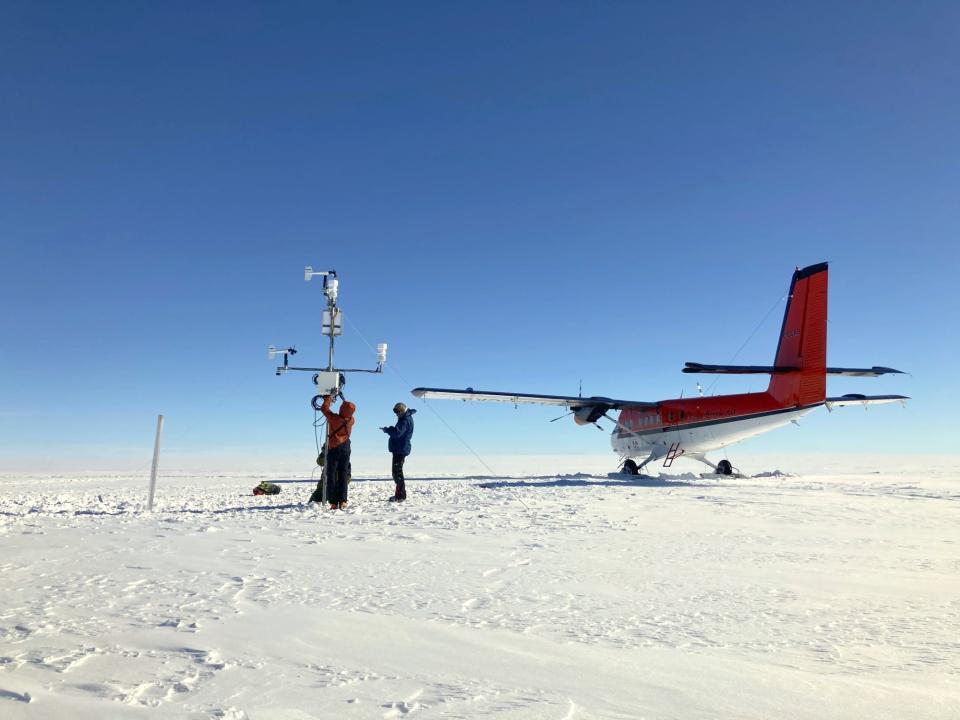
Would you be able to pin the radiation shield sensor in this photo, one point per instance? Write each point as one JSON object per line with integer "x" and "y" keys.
{"x": 331, "y": 286}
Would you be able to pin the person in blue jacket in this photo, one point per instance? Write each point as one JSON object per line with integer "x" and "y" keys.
{"x": 399, "y": 446}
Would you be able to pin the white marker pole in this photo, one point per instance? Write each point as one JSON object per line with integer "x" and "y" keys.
{"x": 156, "y": 458}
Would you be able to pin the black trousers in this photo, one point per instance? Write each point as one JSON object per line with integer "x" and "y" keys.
{"x": 397, "y": 468}
{"x": 338, "y": 463}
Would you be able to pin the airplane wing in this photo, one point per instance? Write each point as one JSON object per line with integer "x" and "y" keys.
{"x": 865, "y": 400}
{"x": 567, "y": 401}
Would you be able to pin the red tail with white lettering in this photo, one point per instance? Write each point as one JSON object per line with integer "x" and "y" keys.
{"x": 803, "y": 341}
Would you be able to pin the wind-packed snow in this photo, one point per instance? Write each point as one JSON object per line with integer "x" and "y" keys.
{"x": 566, "y": 593}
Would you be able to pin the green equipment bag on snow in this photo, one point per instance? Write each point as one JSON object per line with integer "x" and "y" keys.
{"x": 266, "y": 488}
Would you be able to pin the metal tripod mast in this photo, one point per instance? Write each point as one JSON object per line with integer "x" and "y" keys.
{"x": 329, "y": 380}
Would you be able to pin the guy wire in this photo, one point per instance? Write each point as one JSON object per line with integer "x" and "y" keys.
{"x": 749, "y": 338}
{"x": 432, "y": 409}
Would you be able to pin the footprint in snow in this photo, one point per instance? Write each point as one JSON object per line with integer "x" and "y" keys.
{"x": 404, "y": 707}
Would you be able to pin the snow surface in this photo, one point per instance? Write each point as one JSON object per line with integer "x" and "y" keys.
{"x": 561, "y": 594}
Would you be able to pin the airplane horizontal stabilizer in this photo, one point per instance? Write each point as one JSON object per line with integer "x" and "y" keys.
{"x": 692, "y": 367}
{"x": 856, "y": 399}
{"x": 567, "y": 401}
{"x": 875, "y": 371}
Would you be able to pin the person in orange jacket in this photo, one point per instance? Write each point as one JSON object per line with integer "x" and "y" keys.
{"x": 339, "y": 427}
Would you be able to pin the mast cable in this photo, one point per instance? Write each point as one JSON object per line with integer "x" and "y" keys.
{"x": 432, "y": 409}
{"x": 749, "y": 338}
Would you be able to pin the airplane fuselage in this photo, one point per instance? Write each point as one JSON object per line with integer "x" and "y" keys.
{"x": 698, "y": 425}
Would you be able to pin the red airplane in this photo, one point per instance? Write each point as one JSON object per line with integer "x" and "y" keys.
{"x": 691, "y": 427}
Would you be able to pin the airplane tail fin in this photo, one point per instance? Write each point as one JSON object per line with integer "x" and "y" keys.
{"x": 803, "y": 341}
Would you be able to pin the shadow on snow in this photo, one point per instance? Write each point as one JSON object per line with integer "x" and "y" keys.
{"x": 589, "y": 481}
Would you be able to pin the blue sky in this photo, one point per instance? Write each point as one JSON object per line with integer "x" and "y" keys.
{"x": 516, "y": 196}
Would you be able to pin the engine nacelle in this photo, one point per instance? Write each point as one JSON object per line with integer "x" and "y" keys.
{"x": 588, "y": 414}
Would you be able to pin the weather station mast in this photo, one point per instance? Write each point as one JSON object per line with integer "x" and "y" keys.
{"x": 331, "y": 379}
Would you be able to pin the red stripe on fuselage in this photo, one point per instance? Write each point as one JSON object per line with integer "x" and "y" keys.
{"x": 702, "y": 411}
